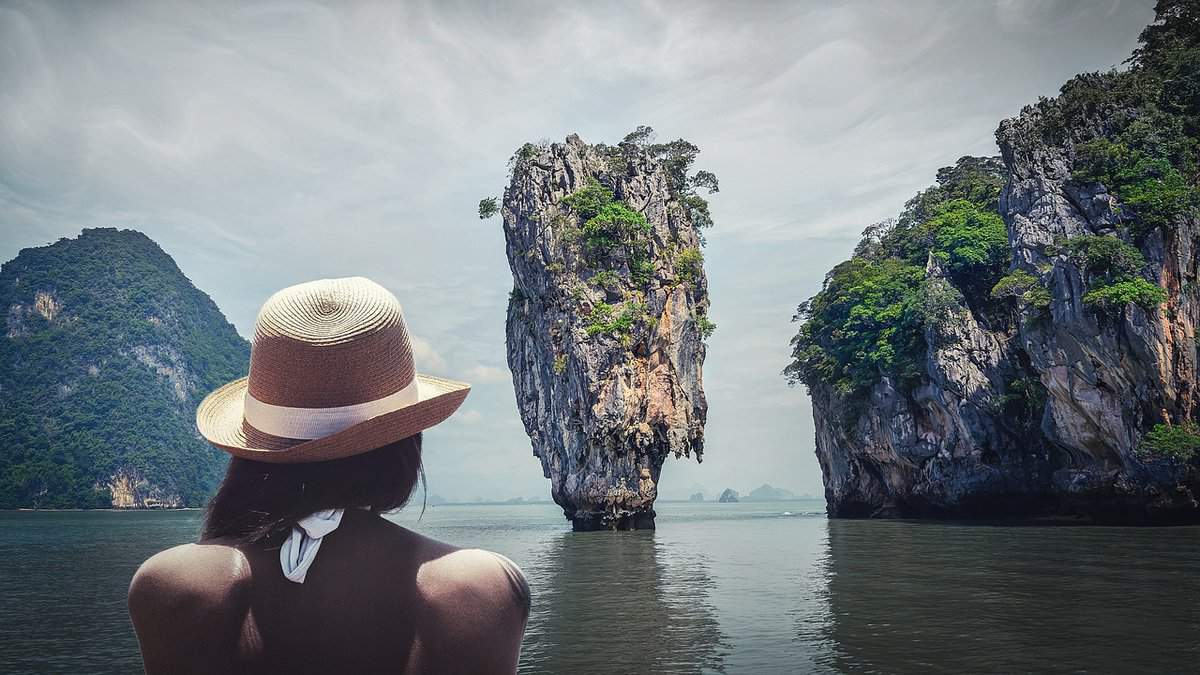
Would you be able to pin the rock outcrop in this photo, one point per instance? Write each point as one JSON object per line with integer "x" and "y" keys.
{"x": 107, "y": 350}
{"x": 1042, "y": 406}
{"x": 606, "y": 320}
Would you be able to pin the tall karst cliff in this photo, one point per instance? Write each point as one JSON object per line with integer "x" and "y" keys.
{"x": 106, "y": 352}
{"x": 607, "y": 317}
{"x": 1022, "y": 339}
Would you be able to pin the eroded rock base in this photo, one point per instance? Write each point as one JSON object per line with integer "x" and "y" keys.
{"x": 623, "y": 520}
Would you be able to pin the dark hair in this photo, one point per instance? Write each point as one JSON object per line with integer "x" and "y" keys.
{"x": 257, "y": 500}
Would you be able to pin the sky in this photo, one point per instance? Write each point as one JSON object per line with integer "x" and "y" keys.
{"x": 266, "y": 144}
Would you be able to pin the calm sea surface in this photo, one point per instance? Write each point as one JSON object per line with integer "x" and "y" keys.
{"x": 733, "y": 588}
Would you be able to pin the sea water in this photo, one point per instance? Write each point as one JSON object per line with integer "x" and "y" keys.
{"x": 734, "y": 588}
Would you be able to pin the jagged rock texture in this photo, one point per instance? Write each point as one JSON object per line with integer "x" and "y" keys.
{"x": 944, "y": 448}
{"x": 107, "y": 350}
{"x": 603, "y": 411}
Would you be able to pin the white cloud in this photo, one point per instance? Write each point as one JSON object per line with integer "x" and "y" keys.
{"x": 427, "y": 358}
{"x": 468, "y": 417}
{"x": 484, "y": 374}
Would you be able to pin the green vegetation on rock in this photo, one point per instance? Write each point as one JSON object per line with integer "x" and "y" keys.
{"x": 864, "y": 323}
{"x": 1149, "y": 184}
{"x": 107, "y": 351}
{"x": 614, "y": 237}
{"x": 609, "y": 226}
{"x": 588, "y": 200}
{"x": 1114, "y": 296}
{"x": 1107, "y": 257}
{"x": 689, "y": 264}
{"x": 870, "y": 318}
{"x": 971, "y": 241}
{"x": 488, "y": 207}
{"x": 604, "y": 318}
{"x": 615, "y": 225}
{"x": 1023, "y": 286}
{"x": 1113, "y": 269}
{"x": 1180, "y": 442}
{"x": 1149, "y": 154}
{"x": 676, "y": 159}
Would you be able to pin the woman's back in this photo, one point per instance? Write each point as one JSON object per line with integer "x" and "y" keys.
{"x": 325, "y": 434}
{"x": 378, "y": 598}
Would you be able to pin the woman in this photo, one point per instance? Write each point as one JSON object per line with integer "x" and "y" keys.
{"x": 325, "y": 437}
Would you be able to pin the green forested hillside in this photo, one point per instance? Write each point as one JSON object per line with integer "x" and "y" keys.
{"x": 107, "y": 350}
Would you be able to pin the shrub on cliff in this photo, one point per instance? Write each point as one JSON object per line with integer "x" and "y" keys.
{"x": 1180, "y": 442}
{"x": 610, "y": 226}
{"x": 488, "y": 207}
{"x": 1149, "y": 184}
{"x": 1113, "y": 270}
{"x": 676, "y": 159}
{"x": 614, "y": 225}
{"x": 870, "y": 318}
{"x": 605, "y": 319}
{"x": 1104, "y": 256}
{"x": 1024, "y": 286}
{"x": 1116, "y": 295}
{"x": 588, "y": 200}
{"x": 865, "y": 322}
{"x": 688, "y": 264}
{"x": 972, "y": 242}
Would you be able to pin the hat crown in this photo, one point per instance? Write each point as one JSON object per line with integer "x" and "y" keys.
{"x": 330, "y": 343}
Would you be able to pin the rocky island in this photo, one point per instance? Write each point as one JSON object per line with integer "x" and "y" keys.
{"x": 607, "y": 317}
{"x": 107, "y": 350}
{"x": 1021, "y": 340}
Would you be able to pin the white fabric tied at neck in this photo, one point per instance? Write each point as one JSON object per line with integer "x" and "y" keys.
{"x": 300, "y": 549}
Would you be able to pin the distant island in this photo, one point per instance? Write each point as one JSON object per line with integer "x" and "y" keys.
{"x": 728, "y": 496}
{"x": 766, "y": 493}
{"x": 438, "y": 500}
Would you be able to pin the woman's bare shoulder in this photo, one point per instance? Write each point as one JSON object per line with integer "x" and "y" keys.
{"x": 195, "y": 576}
{"x": 185, "y": 600}
{"x": 460, "y": 577}
{"x": 471, "y": 597}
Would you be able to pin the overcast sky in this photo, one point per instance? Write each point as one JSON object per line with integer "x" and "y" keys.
{"x": 273, "y": 143}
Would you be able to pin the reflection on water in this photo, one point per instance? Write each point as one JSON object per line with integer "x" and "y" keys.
{"x": 735, "y": 588}
{"x": 933, "y": 597}
{"x": 613, "y": 602}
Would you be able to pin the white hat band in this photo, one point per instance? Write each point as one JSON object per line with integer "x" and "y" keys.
{"x": 309, "y": 423}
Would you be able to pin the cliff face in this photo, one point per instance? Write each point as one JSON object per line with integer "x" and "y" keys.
{"x": 1070, "y": 387}
{"x": 106, "y": 352}
{"x": 967, "y": 439}
{"x": 605, "y": 322}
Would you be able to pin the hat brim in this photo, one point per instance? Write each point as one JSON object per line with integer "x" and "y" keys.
{"x": 219, "y": 420}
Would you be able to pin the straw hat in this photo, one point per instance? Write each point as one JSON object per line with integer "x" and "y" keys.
{"x": 331, "y": 375}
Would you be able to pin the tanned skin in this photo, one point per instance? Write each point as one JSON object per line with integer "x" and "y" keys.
{"x": 378, "y": 598}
